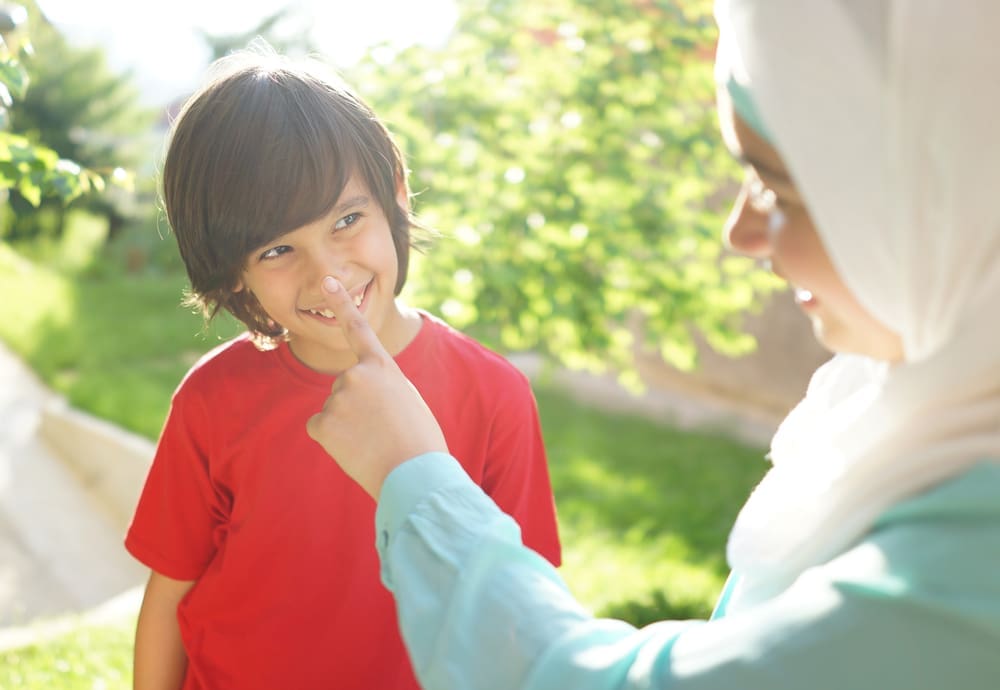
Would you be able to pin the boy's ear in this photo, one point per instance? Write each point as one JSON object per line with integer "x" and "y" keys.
{"x": 402, "y": 195}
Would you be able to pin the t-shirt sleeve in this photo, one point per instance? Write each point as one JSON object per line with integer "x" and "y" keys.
{"x": 181, "y": 514}
{"x": 516, "y": 472}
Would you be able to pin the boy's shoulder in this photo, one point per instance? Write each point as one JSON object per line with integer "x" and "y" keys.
{"x": 463, "y": 351}
{"x": 233, "y": 358}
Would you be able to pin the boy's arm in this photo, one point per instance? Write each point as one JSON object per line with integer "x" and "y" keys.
{"x": 160, "y": 660}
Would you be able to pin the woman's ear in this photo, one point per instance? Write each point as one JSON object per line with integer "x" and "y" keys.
{"x": 238, "y": 287}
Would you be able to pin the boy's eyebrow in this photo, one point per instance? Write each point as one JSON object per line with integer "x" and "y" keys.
{"x": 353, "y": 202}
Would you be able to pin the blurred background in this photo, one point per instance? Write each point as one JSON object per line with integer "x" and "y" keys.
{"x": 566, "y": 152}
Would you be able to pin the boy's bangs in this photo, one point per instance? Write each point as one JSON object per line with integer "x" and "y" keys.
{"x": 297, "y": 162}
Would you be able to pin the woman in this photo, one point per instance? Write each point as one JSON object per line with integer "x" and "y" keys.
{"x": 869, "y": 555}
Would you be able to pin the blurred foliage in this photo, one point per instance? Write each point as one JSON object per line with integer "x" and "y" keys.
{"x": 644, "y": 508}
{"x": 568, "y": 153}
{"x": 114, "y": 342}
{"x": 89, "y": 656}
{"x": 284, "y": 30}
{"x": 78, "y": 106}
{"x": 29, "y": 167}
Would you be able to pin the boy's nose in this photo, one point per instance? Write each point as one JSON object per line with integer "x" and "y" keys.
{"x": 326, "y": 263}
{"x": 746, "y": 229}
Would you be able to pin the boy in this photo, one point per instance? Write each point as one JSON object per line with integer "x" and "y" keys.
{"x": 264, "y": 569}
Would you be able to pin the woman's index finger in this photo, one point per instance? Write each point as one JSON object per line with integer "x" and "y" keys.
{"x": 360, "y": 336}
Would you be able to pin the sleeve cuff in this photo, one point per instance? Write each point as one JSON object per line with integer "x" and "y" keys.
{"x": 409, "y": 484}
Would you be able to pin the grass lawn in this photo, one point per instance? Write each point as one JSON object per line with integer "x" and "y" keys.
{"x": 116, "y": 344}
{"x": 644, "y": 509}
{"x": 90, "y": 657}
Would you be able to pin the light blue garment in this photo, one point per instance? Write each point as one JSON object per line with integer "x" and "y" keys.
{"x": 745, "y": 107}
{"x": 914, "y": 606}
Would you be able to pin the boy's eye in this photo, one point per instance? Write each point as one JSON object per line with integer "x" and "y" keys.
{"x": 274, "y": 252}
{"x": 347, "y": 221}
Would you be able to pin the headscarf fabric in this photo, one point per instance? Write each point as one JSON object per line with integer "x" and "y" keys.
{"x": 884, "y": 112}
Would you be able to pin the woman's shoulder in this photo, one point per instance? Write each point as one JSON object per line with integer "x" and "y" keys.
{"x": 914, "y": 603}
{"x": 970, "y": 496}
{"x": 938, "y": 549}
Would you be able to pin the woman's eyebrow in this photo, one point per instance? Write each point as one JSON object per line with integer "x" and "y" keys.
{"x": 779, "y": 182}
{"x": 762, "y": 170}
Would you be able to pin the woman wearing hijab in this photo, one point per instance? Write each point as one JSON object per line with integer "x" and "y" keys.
{"x": 869, "y": 556}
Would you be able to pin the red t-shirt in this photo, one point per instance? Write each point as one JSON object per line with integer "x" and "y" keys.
{"x": 282, "y": 542}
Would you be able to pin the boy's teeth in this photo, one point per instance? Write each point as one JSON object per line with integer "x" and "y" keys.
{"x": 329, "y": 314}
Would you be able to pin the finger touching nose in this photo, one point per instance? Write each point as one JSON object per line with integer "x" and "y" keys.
{"x": 360, "y": 336}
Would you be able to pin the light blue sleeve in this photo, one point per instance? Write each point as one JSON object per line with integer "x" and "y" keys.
{"x": 478, "y": 610}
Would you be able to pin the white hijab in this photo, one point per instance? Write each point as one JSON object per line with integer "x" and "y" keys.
{"x": 885, "y": 112}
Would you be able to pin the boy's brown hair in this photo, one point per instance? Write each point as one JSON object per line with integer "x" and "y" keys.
{"x": 263, "y": 148}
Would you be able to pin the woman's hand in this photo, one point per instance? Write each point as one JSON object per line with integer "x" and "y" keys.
{"x": 374, "y": 419}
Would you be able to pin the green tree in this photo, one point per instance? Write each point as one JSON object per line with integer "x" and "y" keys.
{"x": 278, "y": 29}
{"x": 80, "y": 107}
{"x": 568, "y": 153}
{"x": 29, "y": 168}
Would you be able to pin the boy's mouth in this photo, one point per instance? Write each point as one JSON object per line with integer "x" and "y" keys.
{"x": 358, "y": 299}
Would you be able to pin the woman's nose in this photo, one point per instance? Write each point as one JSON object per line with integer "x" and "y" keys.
{"x": 747, "y": 230}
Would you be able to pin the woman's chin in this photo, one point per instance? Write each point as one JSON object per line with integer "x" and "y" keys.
{"x": 834, "y": 337}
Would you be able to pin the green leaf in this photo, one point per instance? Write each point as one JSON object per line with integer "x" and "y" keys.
{"x": 31, "y": 191}
{"x": 14, "y": 80}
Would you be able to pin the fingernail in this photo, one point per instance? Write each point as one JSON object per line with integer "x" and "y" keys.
{"x": 330, "y": 285}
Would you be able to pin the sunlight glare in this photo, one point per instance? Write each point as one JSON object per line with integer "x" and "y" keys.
{"x": 160, "y": 42}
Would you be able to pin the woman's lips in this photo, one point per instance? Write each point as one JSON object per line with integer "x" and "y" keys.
{"x": 804, "y": 298}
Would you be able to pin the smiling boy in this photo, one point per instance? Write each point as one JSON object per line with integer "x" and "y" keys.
{"x": 262, "y": 551}
{"x": 351, "y": 242}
